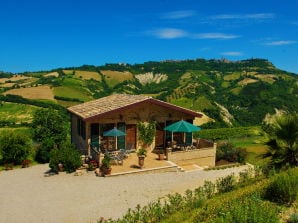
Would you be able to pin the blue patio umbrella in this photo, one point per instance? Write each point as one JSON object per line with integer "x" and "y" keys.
{"x": 182, "y": 126}
{"x": 115, "y": 133}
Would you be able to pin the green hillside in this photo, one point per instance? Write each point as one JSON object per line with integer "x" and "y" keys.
{"x": 237, "y": 93}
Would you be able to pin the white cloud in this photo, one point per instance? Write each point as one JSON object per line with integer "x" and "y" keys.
{"x": 168, "y": 33}
{"x": 178, "y": 14}
{"x": 214, "y": 36}
{"x": 280, "y": 43}
{"x": 244, "y": 16}
{"x": 232, "y": 53}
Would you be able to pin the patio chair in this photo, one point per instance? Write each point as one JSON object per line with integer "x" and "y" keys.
{"x": 116, "y": 157}
{"x": 130, "y": 148}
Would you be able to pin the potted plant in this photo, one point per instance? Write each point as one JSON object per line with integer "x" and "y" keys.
{"x": 141, "y": 153}
{"x": 161, "y": 154}
{"x": 26, "y": 163}
{"x": 92, "y": 165}
{"x": 146, "y": 133}
{"x": 105, "y": 167}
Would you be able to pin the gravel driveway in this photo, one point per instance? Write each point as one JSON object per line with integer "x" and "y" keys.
{"x": 26, "y": 195}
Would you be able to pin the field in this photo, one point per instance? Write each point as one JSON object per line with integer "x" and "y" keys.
{"x": 87, "y": 75}
{"x": 14, "y": 79}
{"x": 247, "y": 81}
{"x": 52, "y": 74}
{"x": 255, "y": 146}
{"x": 116, "y": 77}
{"x": 16, "y": 113}
{"x": 73, "y": 88}
{"x": 233, "y": 76}
{"x": 79, "y": 93}
{"x": 39, "y": 92}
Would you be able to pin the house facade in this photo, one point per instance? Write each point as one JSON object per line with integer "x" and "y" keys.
{"x": 89, "y": 120}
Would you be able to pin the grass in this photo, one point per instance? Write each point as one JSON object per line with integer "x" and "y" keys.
{"x": 72, "y": 92}
{"x": 87, "y": 75}
{"x": 39, "y": 92}
{"x": 17, "y": 113}
{"x": 24, "y": 130}
{"x": 73, "y": 88}
{"x": 255, "y": 147}
{"x": 183, "y": 102}
{"x": 233, "y": 76}
{"x": 116, "y": 77}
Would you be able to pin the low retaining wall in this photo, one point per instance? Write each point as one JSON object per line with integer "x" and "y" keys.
{"x": 201, "y": 157}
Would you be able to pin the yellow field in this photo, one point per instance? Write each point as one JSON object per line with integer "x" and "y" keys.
{"x": 230, "y": 77}
{"x": 54, "y": 74}
{"x": 247, "y": 81}
{"x": 115, "y": 77}
{"x": 269, "y": 78}
{"x": 67, "y": 71}
{"x": 14, "y": 78}
{"x": 87, "y": 75}
{"x": 203, "y": 120}
{"x": 40, "y": 92}
{"x": 7, "y": 84}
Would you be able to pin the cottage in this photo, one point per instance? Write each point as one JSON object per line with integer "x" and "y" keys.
{"x": 89, "y": 120}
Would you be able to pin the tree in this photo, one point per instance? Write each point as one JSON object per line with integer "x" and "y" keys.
{"x": 49, "y": 124}
{"x": 283, "y": 137}
{"x": 67, "y": 155}
{"x": 15, "y": 147}
{"x": 50, "y": 131}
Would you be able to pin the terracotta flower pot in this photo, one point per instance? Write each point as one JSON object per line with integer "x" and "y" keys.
{"x": 141, "y": 161}
{"x": 105, "y": 171}
{"x": 161, "y": 156}
{"x": 60, "y": 167}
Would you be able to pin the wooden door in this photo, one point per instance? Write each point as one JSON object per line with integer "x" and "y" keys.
{"x": 160, "y": 135}
{"x": 131, "y": 135}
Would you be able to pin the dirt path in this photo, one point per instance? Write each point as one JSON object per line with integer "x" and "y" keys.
{"x": 26, "y": 195}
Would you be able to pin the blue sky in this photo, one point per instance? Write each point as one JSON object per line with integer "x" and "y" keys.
{"x": 47, "y": 34}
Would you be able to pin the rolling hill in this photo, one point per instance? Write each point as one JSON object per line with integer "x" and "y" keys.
{"x": 237, "y": 93}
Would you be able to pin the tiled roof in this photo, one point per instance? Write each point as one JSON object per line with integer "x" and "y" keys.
{"x": 118, "y": 101}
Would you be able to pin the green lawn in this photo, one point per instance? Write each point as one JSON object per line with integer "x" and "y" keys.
{"x": 255, "y": 146}
{"x": 17, "y": 113}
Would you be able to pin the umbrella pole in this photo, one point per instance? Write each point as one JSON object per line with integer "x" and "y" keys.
{"x": 116, "y": 142}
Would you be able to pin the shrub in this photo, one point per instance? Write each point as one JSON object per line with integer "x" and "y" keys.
{"x": 66, "y": 155}
{"x": 15, "y": 147}
{"x": 293, "y": 218}
{"x": 284, "y": 188}
{"x": 43, "y": 151}
{"x": 226, "y": 151}
{"x": 225, "y": 184}
{"x": 251, "y": 209}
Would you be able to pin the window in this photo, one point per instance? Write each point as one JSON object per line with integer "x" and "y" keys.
{"x": 81, "y": 128}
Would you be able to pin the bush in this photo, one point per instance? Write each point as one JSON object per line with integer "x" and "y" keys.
{"x": 251, "y": 209}
{"x": 66, "y": 155}
{"x": 226, "y": 151}
{"x": 43, "y": 151}
{"x": 284, "y": 188}
{"x": 225, "y": 184}
{"x": 15, "y": 147}
{"x": 293, "y": 218}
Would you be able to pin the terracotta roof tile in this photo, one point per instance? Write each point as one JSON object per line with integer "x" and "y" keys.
{"x": 105, "y": 104}
{"x": 118, "y": 101}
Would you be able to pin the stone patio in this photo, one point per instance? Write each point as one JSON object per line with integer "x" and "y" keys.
{"x": 152, "y": 164}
